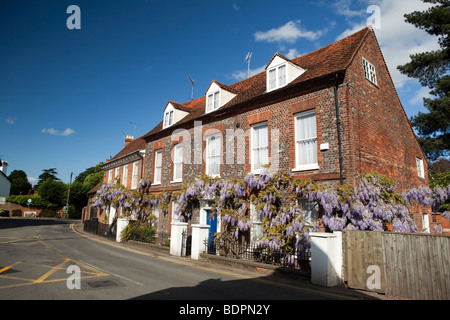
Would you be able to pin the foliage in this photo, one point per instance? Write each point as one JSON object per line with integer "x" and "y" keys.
{"x": 19, "y": 182}
{"x": 372, "y": 204}
{"x": 431, "y": 68}
{"x": 84, "y": 182}
{"x": 133, "y": 202}
{"x": 53, "y": 191}
{"x": 138, "y": 231}
{"x": 36, "y": 201}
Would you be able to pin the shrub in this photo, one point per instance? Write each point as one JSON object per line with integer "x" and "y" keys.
{"x": 139, "y": 231}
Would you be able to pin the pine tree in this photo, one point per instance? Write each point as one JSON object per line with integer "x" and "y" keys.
{"x": 432, "y": 69}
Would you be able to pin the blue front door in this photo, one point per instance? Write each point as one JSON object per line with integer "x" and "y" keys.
{"x": 212, "y": 222}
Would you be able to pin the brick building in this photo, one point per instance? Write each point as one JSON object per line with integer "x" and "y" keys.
{"x": 127, "y": 167}
{"x": 328, "y": 115}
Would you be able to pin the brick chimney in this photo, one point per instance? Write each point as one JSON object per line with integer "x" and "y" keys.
{"x": 128, "y": 139}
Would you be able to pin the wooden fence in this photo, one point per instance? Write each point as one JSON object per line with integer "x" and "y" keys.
{"x": 413, "y": 266}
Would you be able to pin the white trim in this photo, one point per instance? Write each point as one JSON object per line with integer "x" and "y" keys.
{"x": 308, "y": 166}
{"x": 252, "y": 157}
{"x": 420, "y": 168}
{"x": 208, "y": 138}
{"x": 370, "y": 72}
{"x": 211, "y": 103}
{"x": 135, "y": 174}
{"x": 175, "y": 163}
{"x": 159, "y": 151}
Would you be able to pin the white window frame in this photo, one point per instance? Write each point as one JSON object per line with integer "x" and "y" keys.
{"x": 256, "y": 230}
{"x": 116, "y": 173}
{"x": 177, "y": 162}
{"x": 426, "y": 222}
{"x": 125, "y": 175}
{"x": 174, "y": 207}
{"x": 110, "y": 176}
{"x": 370, "y": 71}
{"x": 253, "y": 147}
{"x": 278, "y": 80}
{"x": 134, "y": 177}
{"x": 157, "y": 167}
{"x": 168, "y": 118}
{"x": 311, "y": 208}
{"x": 213, "y": 101}
{"x": 208, "y": 157}
{"x": 156, "y": 211}
{"x": 420, "y": 168}
{"x": 307, "y": 166}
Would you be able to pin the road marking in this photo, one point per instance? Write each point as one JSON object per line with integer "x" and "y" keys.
{"x": 113, "y": 274}
{"x": 50, "y": 272}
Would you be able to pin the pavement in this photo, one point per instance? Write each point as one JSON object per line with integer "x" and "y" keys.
{"x": 238, "y": 268}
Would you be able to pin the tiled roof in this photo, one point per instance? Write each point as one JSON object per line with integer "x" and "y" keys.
{"x": 325, "y": 61}
{"x": 133, "y": 146}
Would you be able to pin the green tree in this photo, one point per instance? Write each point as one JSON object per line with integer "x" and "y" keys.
{"x": 84, "y": 182}
{"x": 19, "y": 182}
{"x": 47, "y": 174}
{"x": 53, "y": 191}
{"x": 432, "y": 70}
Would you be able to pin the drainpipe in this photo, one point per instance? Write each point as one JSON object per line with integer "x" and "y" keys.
{"x": 338, "y": 124}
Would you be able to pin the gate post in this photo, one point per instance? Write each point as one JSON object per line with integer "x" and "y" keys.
{"x": 199, "y": 235}
{"x": 121, "y": 225}
{"x": 326, "y": 258}
{"x": 176, "y": 237}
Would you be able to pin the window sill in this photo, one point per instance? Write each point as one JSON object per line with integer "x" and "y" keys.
{"x": 156, "y": 183}
{"x": 306, "y": 168}
{"x": 176, "y": 181}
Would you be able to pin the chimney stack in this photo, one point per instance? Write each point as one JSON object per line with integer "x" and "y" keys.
{"x": 4, "y": 166}
{"x": 128, "y": 139}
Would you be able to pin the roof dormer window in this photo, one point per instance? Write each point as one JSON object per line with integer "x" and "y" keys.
{"x": 277, "y": 77}
{"x": 218, "y": 95}
{"x": 281, "y": 71}
{"x": 168, "y": 118}
{"x": 212, "y": 102}
{"x": 173, "y": 113}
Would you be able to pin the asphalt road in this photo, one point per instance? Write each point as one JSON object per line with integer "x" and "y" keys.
{"x": 48, "y": 259}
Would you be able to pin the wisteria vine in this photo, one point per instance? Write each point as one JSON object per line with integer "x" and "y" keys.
{"x": 370, "y": 205}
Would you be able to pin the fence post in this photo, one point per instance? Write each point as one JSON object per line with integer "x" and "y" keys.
{"x": 176, "y": 237}
{"x": 326, "y": 258}
{"x": 199, "y": 235}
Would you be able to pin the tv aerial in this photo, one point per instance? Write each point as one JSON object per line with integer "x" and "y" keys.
{"x": 248, "y": 58}
{"x": 192, "y": 92}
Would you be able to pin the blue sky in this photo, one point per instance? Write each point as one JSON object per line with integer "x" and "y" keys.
{"x": 68, "y": 97}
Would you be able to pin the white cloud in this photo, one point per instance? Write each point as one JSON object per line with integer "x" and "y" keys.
{"x": 290, "y": 32}
{"x": 398, "y": 39}
{"x": 66, "y": 132}
{"x": 242, "y": 74}
{"x": 10, "y": 120}
{"x": 424, "y": 92}
{"x": 32, "y": 180}
{"x": 292, "y": 53}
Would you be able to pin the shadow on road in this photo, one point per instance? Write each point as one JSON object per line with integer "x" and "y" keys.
{"x": 256, "y": 289}
{"x": 6, "y": 223}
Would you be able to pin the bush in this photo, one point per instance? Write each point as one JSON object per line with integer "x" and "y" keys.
{"x": 36, "y": 201}
{"x": 139, "y": 231}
